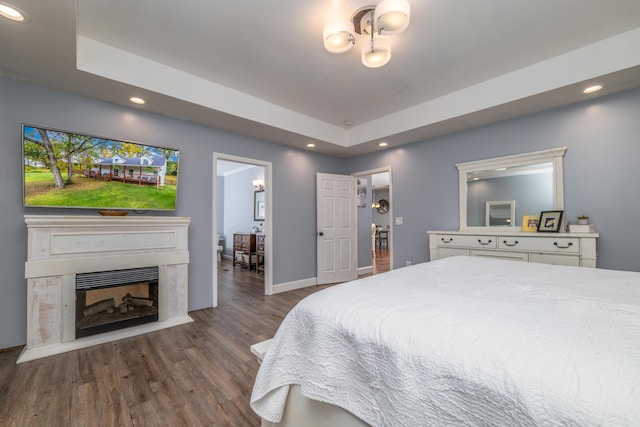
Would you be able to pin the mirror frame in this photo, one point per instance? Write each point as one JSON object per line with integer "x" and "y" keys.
{"x": 256, "y": 209}
{"x": 553, "y": 155}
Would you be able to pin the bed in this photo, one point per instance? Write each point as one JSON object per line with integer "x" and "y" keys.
{"x": 460, "y": 341}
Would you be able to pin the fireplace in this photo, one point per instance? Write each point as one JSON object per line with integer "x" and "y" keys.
{"x": 111, "y": 300}
{"x": 93, "y": 279}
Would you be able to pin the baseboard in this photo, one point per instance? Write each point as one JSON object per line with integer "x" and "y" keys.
{"x": 365, "y": 270}
{"x": 290, "y": 286}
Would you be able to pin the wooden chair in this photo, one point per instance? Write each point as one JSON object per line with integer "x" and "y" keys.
{"x": 383, "y": 238}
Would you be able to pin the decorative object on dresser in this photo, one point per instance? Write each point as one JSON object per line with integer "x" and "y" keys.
{"x": 500, "y": 214}
{"x": 550, "y": 221}
{"x": 582, "y": 226}
{"x": 244, "y": 250}
{"x": 530, "y": 222}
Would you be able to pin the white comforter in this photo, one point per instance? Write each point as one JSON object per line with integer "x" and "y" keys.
{"x": 465, "y": 341}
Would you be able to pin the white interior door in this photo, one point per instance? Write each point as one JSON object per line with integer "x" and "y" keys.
{"x": 336, "y": 233}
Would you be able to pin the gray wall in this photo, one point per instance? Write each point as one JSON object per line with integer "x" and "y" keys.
{"x": 294, "y": 172}
{"x": 600, "y": 173}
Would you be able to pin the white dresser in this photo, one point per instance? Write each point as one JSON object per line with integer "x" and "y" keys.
{"x": 578, "y": 249}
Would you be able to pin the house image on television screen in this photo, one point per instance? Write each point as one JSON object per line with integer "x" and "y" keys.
{"x": 66, "y": 169}
{"x": 139, "y": 170}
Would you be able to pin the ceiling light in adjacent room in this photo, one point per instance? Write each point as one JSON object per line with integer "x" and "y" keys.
{"x": 11, "y": 12}
{"x": 383, "y": 144}
{"x": 592, "y": 89}
{"x": 258, "y": 183}
{"x": 137, "y": 100}
{"x": 311, "y": 145}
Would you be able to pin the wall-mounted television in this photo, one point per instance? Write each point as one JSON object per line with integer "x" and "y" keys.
{"x": 64, "y": 169}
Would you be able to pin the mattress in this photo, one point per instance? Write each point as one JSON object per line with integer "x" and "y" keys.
{"x": 465, "y": 341}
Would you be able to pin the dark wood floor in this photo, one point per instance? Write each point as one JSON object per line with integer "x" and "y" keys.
{"x": 201, "y": 373}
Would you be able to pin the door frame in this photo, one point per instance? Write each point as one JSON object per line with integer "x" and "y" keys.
{"x": 391, "y": 205}
{"x": 268, "y": 231}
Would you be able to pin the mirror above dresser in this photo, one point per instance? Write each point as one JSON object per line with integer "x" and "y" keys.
{"x": 531, "y": 182}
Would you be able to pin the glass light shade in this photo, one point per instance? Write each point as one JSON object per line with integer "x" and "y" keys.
{"x": 392, "y": 16}
{"x": 11, "y": 12}
{"x": 338, "y": 36}
{"x": 376, "y": 52}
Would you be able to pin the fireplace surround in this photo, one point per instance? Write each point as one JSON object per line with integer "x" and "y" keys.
{"x": 62, "y": 249}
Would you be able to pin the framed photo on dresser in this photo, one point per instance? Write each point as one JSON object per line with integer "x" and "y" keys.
{"x": 550, "y": 221}
{"x": 530, "y": 222}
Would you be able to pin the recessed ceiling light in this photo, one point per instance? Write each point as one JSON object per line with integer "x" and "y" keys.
{"x": 382, "y": 144}
{"x": 11, "y": 12}
{"x": 592, "y": 89}
{"x": 310, "y": 145}
{"x": 137, "y": 100}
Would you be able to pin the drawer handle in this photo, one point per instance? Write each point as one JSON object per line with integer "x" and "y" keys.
{"x": 563, "y": 247}
{"x": 510, "y": 244}
{"x": 483, "y": 243}
{"x": 447, "y": 241}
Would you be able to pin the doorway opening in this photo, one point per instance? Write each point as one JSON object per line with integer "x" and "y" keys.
{"x": 242, "y": 189}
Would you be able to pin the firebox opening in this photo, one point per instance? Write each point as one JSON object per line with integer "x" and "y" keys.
{"x": 107, "y": 301}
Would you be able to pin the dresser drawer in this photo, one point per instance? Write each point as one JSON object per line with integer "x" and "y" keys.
{"x": 543, "y": 244}
{"x": 467, "y": 241}
{"x": 447, "y": 252}
{"x": 556, "y": 259}
{"x": 515, "y": 256}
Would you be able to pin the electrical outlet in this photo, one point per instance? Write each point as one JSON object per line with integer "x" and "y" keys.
{"x": 399, "y": 220}
{"x": 408, "y": 263}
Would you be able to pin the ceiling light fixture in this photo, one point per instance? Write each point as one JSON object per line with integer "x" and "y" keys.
{"x": 258, "y": 183}
{"x": 592, "y": 89}
{"x": 11, "y": 12}
{"x": 311, "y": 145}
{"x": 390, "y": 17}
{"x": 137, "y": 100}
{"x": 383, "y": 144}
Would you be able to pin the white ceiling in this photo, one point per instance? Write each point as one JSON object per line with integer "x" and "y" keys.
{"x": 258, "y": 67}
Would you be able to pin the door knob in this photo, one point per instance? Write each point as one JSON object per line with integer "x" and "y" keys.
{"x": 320, "y": 234}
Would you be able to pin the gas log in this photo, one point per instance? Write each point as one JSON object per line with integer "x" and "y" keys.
{"x": 99, "y": 307}
{"x": 136, "y": 301}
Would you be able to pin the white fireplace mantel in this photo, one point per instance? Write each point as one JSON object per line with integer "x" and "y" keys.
{"x": 59, "y": 247}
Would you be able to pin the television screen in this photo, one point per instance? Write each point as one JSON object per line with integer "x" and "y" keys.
{"x": 73, "y": 170}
